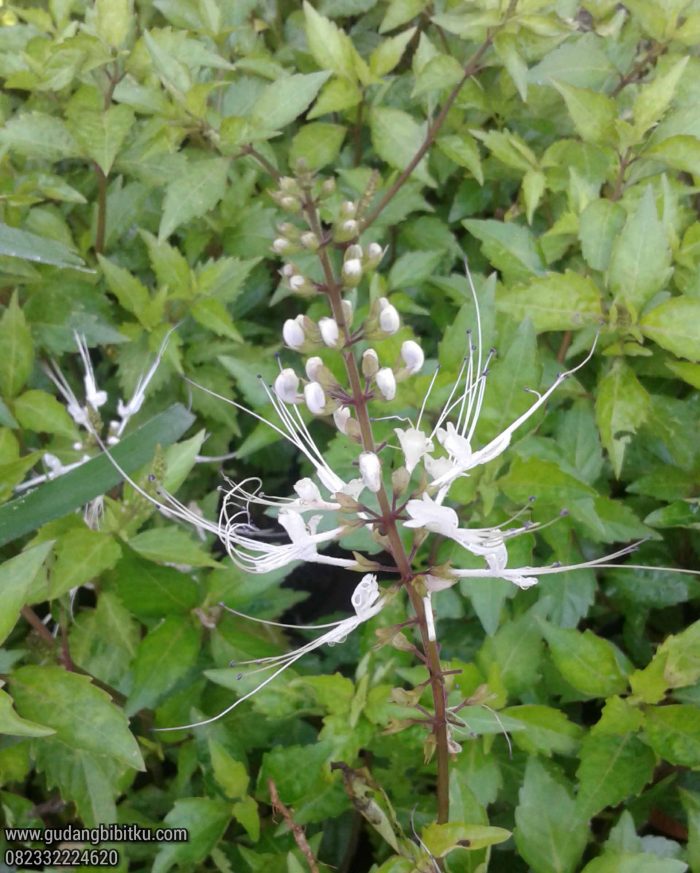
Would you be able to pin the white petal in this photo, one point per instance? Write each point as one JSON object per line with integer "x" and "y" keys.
{"x": 293, "y": 333}
{"x": 389, "y": 320}
{"x": 371, "y": 471}
{"x": 287, "y": 385}
{"x": 414, "y": 444}
{"x": 428, "y": 514}
{"x": 313, "y": 366}
{"x": 386, "y": 382}
{"x": 329, "y": 331}
{"x": 314, "y": 397}
{"x": 412, "y": 356}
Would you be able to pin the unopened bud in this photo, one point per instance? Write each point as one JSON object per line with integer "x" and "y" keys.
{"x": 341, "y": 417}
{"x": 352, "y": 252}
{"x": 313, "y": 366}
{"x": 370, "y": 363}
{"x": 348, "y": 209}
{"x": 386, "y": 382}
{"x": 310, "y": 241}
{"x": 374, "y": 254}
{"x": 352, "y": 272}
{"x": 329, "y": 331}
{"x": 371, "y": 471}
{"x": 288, "y": 270}
{"x": 291, "y": 204}
{"x": 287, "y": 385}
{"x": 288, "y": 183}
{"x": 412, "y": 356}
{"x": 328, "y": 186}
{"x": 399, "y": 480}
{"x": 280, "y": 245}
{"x": 293, "y": 333}
{"x": 388, "y": 316}
{"x": 314, "y": 397}
{"x": 297, "y": 283}
{"x": 307, "y": 491}
{"x": 347, "y": 311}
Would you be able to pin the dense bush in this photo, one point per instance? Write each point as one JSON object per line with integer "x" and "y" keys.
{"x": 555, "y": 145}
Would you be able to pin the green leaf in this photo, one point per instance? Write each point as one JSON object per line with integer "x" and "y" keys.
{"x": 679, "y": 152}
{"x": 412, "y": 268}
{"x": 399, "y": 12}
{"x": 547, "y": 730}
{"x": 592, "y": 113}
{"x": 164, "y": 657}
{"x": 103, "y": 640}
{"x": 81, "y": 555}
{"x": 16, "y": 578}
{"x": 510, "y": 247}
{"x": 621, "y": 407}
{"x": 83, "y": 716}
{"x": 675, "y": 326}
{"x": 613, "y": 768}
{"x": 172, "y": 545}
{"x": 332, "y": 49}
{"x": 282, "y": 101}
{"x": 102, "y": 133}
{"x": 397, "y": 136}
{"x": 194, "y": 194}
{"x": 673, "y": 732}
{"x": 131, "y": 293}
{"x": 599, "y": 226}
{"x": 549, "y": 834}
{"x": 36, "y": 135}
{"x": 112, "y": 21}
{"x": 72, "y": 490}
{"x": 441, "y": 839}
{"x": 389, "y": 52}
{"x": 654, "y": 97}
{"x": 171, "y": 70}
{"x": 559, "y": 301}
{"x": 580, "y": 60}
{"x": 16, "y": 243}
{"x": 318, "y": 144}
{"x": 641, "y": 258}
{"x": 629, "y": 862}
{"x": 588, "y": 662}
{"x": 464, "y": 151}
{"x": 16, "y": 350}
{"x": 151, "y": 591}
{"x": 42, "y": 413}
{"x": 337, "y": 95}
{"x": 506, "y": 46}
{"x": 231, "y": 775}
{"x": 205, "y": 819}
{"x": 212, "y": 313}
{"x": 13, "y": 725}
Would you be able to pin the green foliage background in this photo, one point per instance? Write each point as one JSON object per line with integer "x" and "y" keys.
{"x": 568, "y": 165}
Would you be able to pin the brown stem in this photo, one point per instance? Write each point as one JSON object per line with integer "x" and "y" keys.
{"x": 432, "y": 656}
{"x": 297, "y": 830}
{"x": 564, "y": 347}
{"x": 640, "y": 68}
{"x": 625, "y": 161}
{"x": 470, "y": 69}
{"x": 30, "y": 616}
{"x": 249, "y": 150}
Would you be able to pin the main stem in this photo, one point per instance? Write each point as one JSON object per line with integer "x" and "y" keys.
{"x": 430, "y": 649}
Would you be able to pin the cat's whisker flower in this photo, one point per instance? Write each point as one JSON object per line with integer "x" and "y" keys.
{"x": 367, "y": 602}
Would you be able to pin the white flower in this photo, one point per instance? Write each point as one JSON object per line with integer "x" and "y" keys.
{"x": 287, "y": 386}
{"x": 313, "y": 367}
{"x": 293, "y": 331}
{"x": 366, "y": 601}
{"x": 412, "y": 355}
{"x": 297, "y": 282}
{"x": 310, "y": 241}
{"x": 414, "y": 445}
{"x": 93, "y": 395}
{"x": 370, "y": 363}
{"x": 280, "y": 245}
{"x": 371, "y": 471}
{"x": 314, "y": 397}
{"x": 389, "y": 320}
{"x": 374, "y": 254}
{"x": 329, "y": 331}
{"x": 386, "y": 383}
{"x": 348, "y": 209}
{"x": 353, "y": 252}
{"x": 350, "y": 228}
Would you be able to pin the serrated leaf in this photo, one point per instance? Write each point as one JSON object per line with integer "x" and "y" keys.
{"x": 17, "y": 243}
{"x": 151, "y": 591}
{"x": 654, "y": 97}
{"x": 673, "y": 732}
{"x": 389, "y": 52}
{"x": 331, "y": 47}
{"x": 164, "y": 657}
{"x": 16, "y": 350}
{"x": 131, "y": 293}
{"x": 16, "y": 578}
{"x": 641, "y": 257}
{"x": 399, "y": 12}
{"x": 599, "y": 226}
{"x": 282, "y": 101}
{"x": 42, "y": 413}
{"x": 508, "y": 246}
{"x": 397, "y": 136}
{"x": 675, "y": 326}
{"x": 83, "y": 716}
{"x": 318, "y": 144}
{"x": 588, "y": 662}
{"x": 112, "y": 20}
{"x": 81, "y": 555}
{"x": 206, "y": 820}
{"x": 464, "y": 151}
{"x": 194, "y": 194}
{"x": 36, "y": 135}
{"x": 172, "y": 71}
{"x": 622, "y": 405}
{"x": 13, "y": 725}
{"x": 559, "y": 301}
{"x": 102, "y": 133}
{"x": 592, "y": 113}
{"x": 172, "y": 545}
{"x": 549, "y": 834}
{"x": 441, "y": 839}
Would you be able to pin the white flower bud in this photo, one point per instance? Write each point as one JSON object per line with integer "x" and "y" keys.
{"x": 313, "y": 367}
{"x": 350, "y": 227}
{"x": 288, "y": 183}
{"x": 412, "y": 355}
{"x": 371, "y": 471}
{"x": 341, "y": 417}
{"x": 352, "y": 272}
{"x": 288, "y": 270}
{"x": 388, "y": 316}
{"x": 348, "y": 209}
{"x": 310, "y": 241}
{"x": 291, "y": 204}
{"x": 374, "y": 254}
{"x": 328, "y": 186}
{"x": 370, "y": 363}
{"x": 287, "y": 385}
{"x": 297, "y": 282}
{"x": 314, "y": 397}
{"x": 293, "y": 332}
{"x": 352, "y": 252}
{"x": 280, "y": 245}
{"x": 386, "y": 382}
{"x": 329, "y": 331}
{"x": 347, "y": 311}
